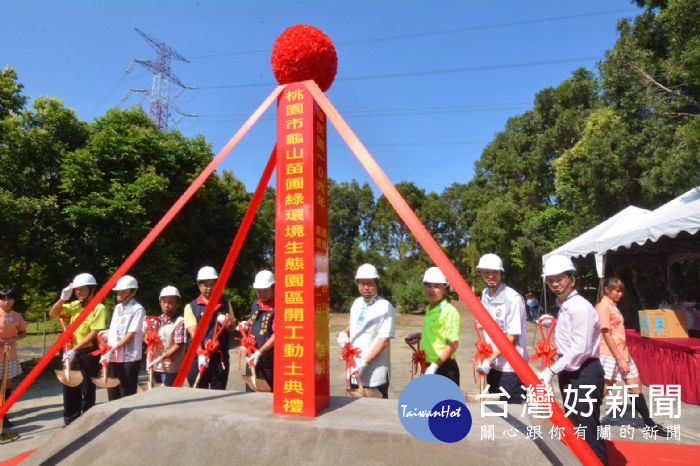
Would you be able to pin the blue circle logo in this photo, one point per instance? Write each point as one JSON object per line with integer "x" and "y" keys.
{"x": 432, "y": 408}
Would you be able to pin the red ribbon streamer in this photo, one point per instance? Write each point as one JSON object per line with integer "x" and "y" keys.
{"x": 484, "y": 350}
{"x": 67, "y": 346}
{"x": 418, "y": 362}
{"x": 545, "y": 349}
{"x": 152, "y": 339}
{"x": 213, "y": 346}
{"x": 103, "y": 348}
{"x": 248, "y": 343}
{"x": 348, "y": 355}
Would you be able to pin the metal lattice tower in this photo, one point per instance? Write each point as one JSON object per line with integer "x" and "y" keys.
{"x": 159, "y": 97}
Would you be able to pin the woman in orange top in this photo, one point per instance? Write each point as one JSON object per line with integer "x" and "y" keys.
{"x": 12, "y": 328}
{"x": 616, "y": 360}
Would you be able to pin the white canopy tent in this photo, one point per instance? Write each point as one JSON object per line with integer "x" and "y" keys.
{"x": 589, "y": 242}
{"x": 636, "y": 227}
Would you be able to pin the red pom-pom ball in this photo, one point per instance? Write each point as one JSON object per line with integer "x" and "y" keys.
{"x": 303, "y": 52}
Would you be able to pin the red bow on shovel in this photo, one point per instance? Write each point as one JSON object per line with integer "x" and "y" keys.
{"x": 103, "y": 381}
{"x": 545, "y": 349}
{"x": 484, "y": 350}
{"x": 211, "y": 347}
{"x": 68, "y": 377}
{"x": 153, "y": 345}
{"x": 348, "y": 355}
{"x": 418, "y": 363}
{"x": 248, "y": 347}
{"x": 248, "y": 344}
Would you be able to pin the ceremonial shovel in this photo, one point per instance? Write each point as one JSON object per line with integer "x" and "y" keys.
{"x": 5, "y": 437}
{"x": 68, "y": 377}
{"x": 103, "y": 381}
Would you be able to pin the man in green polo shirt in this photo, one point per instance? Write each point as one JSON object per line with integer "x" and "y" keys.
{"x": 440, "y": 332}
{"x": 77, "y": 400}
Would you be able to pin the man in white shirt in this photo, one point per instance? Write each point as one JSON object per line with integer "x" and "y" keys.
{"x": 577, "y": 336}
{"x": 507, "y": 308}
{"x": 125, "y": 337}
{"x": 370, "y": 330}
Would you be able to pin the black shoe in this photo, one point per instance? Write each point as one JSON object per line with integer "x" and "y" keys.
{"x": 6, "y": 424}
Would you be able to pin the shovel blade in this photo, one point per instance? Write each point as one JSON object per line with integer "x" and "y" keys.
{"x": 105, "y": 382}
{"x": 72, "y": 379}
{"x": 259, "y": 385}
{"x": 143, "y": 387}
{"x": 363, "y": 393}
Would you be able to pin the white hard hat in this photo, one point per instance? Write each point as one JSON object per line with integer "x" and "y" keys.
{"x": 169, "y": 291}
{"x": 434, "y": 275}
{"x": 366, "y": 271}
{"x": 207, "y": 273}
{"x": 556, "y": 264}
{"x": 490, "y": 262}
{"x": 263, "y": 280}
{"x": 127, "y": 282}
{"x": 83, "y": 279}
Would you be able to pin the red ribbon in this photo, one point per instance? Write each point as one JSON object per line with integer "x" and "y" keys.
{"x": 212, "y": 346}
{"x": 66, "y": 347}
{"x": 152, "y": 339}
{"x": 418, "y": 363}
{"x": 247, "y": 342}
{"x": 545, "y": 349}
{"x": 348, "y": 355}
{"x": 103, "y": 348}
{"x": 484, "y": 350}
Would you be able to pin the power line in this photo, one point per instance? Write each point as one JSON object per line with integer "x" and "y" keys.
{"x": 390, "y": 112}
{"x": 410, "y": 74}
{"x": 439, "y": 32}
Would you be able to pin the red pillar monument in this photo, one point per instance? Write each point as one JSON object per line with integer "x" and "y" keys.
{"x": 302, "y": 379}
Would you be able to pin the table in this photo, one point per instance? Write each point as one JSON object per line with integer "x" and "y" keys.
{"x": 668, "y": 361}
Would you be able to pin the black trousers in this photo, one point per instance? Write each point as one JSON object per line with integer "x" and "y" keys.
{"x": 128, "y": 375}
{"x": 450, "y": 370}
{"x": 510, "y": 383}
{"x": 215, "y": 376}
{"x": 590, "y": 373}
{"x": 77, "y": 400}
{"x": 266, "y": 373}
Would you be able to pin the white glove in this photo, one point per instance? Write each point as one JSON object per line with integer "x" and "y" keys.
{"x": 66, "y": 293}
{"x": 359, "y": 366}
{"x": 432, "y": 368}
{"x": 69, "y": 355}
{"x": 484, "y": 367}
{"x": 153, "y": 363}
{"x": 221, "y": 319}
{"x": 253, "y": 359}
{"x": 106, "y": 357}
{"x": 202, "y": 361}
{"x": 546, "y": 376}
{"x": 343, "y": 338}
{"x": 243, "y": 326}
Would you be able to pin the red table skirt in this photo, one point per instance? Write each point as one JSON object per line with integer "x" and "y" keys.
{"x": 668, "y": 361}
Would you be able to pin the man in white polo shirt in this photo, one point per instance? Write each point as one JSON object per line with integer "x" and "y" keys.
{"x": 371, "y": 328}
{"x": 125, "y": 339}
{"x": 507, "y": 308}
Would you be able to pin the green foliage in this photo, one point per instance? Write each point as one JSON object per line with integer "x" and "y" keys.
{"x": 79, "y": 196}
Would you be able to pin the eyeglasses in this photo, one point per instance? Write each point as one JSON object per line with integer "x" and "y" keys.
{"x": 561, "y": 278}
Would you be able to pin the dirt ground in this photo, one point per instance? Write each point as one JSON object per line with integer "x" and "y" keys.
{"x": 38, "y": 415}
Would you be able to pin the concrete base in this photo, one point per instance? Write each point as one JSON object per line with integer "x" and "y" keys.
{"x": 167, "y": 426}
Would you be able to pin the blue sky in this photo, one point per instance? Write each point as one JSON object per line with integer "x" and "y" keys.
{"x": 424, "y": 84}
